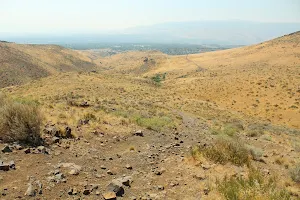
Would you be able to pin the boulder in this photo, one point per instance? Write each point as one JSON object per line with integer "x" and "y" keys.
{"x": 116, "y": 187}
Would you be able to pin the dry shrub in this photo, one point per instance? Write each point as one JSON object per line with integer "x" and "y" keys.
{"x": 295, "y": 174}
{"x": 225, "y": 150}
{"x": 19, "y": 122}
{"x": 256, "y": 186}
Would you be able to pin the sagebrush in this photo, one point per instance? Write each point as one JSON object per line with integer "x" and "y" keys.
{"x": 19, "y": 122}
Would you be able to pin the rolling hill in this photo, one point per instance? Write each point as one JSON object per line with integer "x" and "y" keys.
{"x": 21, "y": 63}
{"x": 260, "y": 80}
{"x": 217, "y": 125}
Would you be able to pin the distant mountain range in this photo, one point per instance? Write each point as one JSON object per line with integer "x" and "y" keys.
{"x": 196, "y": 32}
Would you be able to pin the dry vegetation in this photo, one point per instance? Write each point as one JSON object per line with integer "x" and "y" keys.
{"x": 20, "y": 122}
{"x": 219, "y": 125}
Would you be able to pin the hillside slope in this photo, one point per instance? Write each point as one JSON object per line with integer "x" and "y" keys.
{"x": 260, "y": 80}
{"x": 21, "y": 63}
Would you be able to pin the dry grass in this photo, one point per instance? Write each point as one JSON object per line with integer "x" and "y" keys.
{"x": 19, "y": 122}
{"x": 256, "y": 186}
{"x": 224, "y": 150}
{"x": 295, "y": 174}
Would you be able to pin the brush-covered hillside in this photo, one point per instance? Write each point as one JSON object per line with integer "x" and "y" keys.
{"x": 145, "y": 125}
{"x": 20, "y": 63}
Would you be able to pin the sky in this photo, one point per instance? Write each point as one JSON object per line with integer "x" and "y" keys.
{"x": 57, "y": 16}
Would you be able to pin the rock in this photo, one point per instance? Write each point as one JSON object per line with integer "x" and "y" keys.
{"x": 139, "y": 133}
{"x": 160, "y": 187}
{"x": 99, "y": 175}
{"x": 59, "y": 176}
{"x": 12, "y": 165}
{"x": 102, "y": 167}
{"x": 30, "y": 191}
{"x": 42, "y": 149}
{"x": 84, "y": 104}
{"x": 4, "y": 166}
{"x": 205, "y": 167}
{"x": 27, "y": 151}
{"x": 109, "y": 196}
{"x": 86, "y": 192}
{"x": 74, "y": 172}
{"x": 6, "y": 149}
{"x": 206, "y": 191}
{"x": 68, "y": 131}
{"x": 160, "y": 171}
{"x": 109, "y": 172}
{"x": 39, "y": 186}
{"x": 74, "y": 169}
{"x": 4, "y": 192}
{"x": 173, "y": 184}
{"x": 70, "y": 191}
{"x": 128, "y": 166}
{"x": 18, "y": 147}
{"x": 125, "y": 180}
{"x": 55, "y": 139}
{"x": 116, "y": 187}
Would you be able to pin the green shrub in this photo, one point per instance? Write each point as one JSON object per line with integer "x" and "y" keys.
{"x": 19, "y": 122}
{"x": 157, "y": 79}
{"x": 154, "y": 123}
{"x": 225, "y": 150}
{"x": 256, "y": 186}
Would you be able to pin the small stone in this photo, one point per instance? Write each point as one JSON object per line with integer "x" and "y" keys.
{"x": 206, "y": 191}
{"x": 205, "y": 167}
{"x": 55, "y": 139}
{"x": 160, "y": 171}
{"x": 41, "y": 149}
{"x": 40, "y": 186}
{"x": 86, "y": 192}
{"x": 102, "y": 167}
{"x": 27, "y": 151}
{"x": 139, "y": 133}
{"x": 173, "y": 184}
{"x": 160, "y": 187}
{"x": 109, "y": 172}
{"x": 128, "y": 166}
{"x": 70, "y": 191}
{"x": 74, "y": 171}
{"x": 18, "y": 147}
{"x": 109, "y": 196}
{"x": 12, "y": 165}
{"x": 6, "y": 149}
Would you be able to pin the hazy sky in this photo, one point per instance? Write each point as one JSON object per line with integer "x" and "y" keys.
{"x": 38, "y": 16}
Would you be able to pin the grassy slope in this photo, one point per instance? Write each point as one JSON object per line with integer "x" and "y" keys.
{"x": 198, "y": 103}
{"x": 22, "y": 63}
{"x": 260, "y": 80}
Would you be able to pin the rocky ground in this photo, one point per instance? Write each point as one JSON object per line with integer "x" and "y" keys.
{"x": 143, "y": 165}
